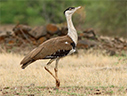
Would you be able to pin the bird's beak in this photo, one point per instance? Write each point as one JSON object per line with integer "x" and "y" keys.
{"x": 78, "y": 7}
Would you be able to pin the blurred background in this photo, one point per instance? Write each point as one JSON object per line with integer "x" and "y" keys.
{"x": 104, "y": 16}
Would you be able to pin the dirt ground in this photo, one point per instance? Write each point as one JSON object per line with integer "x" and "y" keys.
{"x": 63, "y": 91}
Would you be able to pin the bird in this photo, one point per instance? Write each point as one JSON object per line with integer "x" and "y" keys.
{"x": 55, "y": 48}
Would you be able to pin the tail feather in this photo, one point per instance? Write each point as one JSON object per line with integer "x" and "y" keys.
{"x": 30, "y": 57}
{"x": 24, "y": 65}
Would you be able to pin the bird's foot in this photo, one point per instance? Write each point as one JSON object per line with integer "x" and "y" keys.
{"x": 57, "y": 84}
{"x": 56, "y": 88}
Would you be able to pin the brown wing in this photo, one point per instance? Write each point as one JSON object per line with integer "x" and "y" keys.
{"x": 48, "y": 48}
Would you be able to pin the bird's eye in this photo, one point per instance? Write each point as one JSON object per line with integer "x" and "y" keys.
{"x": 70, "y": 8}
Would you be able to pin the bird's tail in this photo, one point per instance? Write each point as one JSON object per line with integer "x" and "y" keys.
{"x": 24, "y": 65}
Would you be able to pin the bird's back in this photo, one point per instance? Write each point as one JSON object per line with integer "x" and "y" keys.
{"x": 47, "y": 49}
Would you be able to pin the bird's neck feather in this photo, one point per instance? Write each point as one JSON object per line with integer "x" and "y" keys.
{"x": 71, "y": 29}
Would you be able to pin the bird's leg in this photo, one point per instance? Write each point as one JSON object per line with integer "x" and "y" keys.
{"x": 49, "y": 70}
{"x": 56, "y": 70}
{"x": 50, "y": 61}
{"x": 56, "y": 67}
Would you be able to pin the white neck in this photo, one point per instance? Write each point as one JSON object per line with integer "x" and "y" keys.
{"x": 71, "y": 29}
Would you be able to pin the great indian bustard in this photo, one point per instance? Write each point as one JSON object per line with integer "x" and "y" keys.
{"x": 55, "y": 48}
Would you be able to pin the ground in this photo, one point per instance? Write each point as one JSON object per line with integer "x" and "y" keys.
{"x": 81, "y": 74}
{"x": 63, "y": 91}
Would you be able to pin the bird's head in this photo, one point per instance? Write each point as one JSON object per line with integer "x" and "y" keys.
{"x": 71, "y": 10}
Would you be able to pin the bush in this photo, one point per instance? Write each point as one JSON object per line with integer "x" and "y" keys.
{"x": 107, "y": 17}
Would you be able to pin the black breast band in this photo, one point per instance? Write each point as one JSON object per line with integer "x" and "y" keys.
{"x": 58, "y": 54}
{"x": 73, "y": 45}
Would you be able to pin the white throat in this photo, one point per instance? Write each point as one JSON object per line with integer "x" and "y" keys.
{"x": 71, "y": 29}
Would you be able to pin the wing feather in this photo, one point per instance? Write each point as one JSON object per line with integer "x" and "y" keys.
{"x": 48, "y": 48}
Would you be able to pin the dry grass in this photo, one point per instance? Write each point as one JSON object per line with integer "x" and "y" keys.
{"x": 82, "y": 70}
